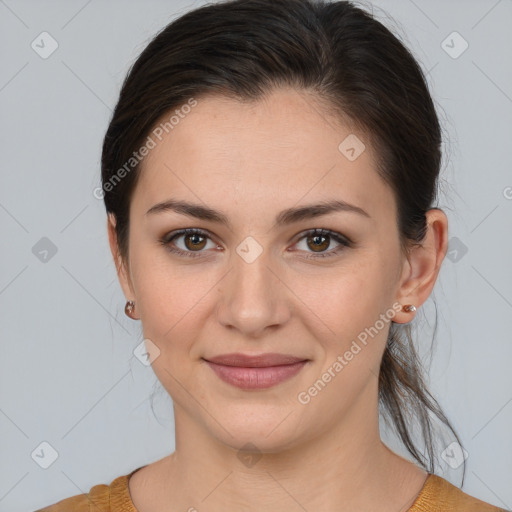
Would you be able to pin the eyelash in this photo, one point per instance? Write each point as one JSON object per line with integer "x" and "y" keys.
{"x": 345, "y": 242}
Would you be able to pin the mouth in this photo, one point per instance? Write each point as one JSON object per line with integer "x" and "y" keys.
{"x": 255, "y": 372}
{"x": 255, "y": 361}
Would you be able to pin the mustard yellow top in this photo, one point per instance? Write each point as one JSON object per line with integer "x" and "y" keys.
{"x": 437, "y": 495}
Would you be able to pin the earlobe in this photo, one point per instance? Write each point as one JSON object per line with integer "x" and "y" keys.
{"x": 424, "y": 263}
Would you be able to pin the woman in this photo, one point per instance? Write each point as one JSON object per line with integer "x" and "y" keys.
{"x": 269, "y": 174}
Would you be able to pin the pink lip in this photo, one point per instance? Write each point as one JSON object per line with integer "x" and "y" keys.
{"x": 258, "y": 361}
{"x": 255, "y": 372}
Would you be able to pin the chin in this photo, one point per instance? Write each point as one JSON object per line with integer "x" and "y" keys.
{"x": 267, "y": 433}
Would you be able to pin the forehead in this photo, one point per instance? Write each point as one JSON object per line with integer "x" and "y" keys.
{"x": 279, "y": 150}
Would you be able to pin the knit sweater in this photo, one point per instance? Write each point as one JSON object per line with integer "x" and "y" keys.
{"x": 437, "y": 495}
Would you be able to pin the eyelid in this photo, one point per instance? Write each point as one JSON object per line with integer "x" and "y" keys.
{"x": 167, "y": 240}
{"x": 342, "y": 240}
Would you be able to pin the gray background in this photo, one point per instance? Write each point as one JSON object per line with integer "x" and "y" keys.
{"x": 68, "y": 375}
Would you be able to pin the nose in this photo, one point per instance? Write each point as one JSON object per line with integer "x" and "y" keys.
{"x": 253, "y": 298}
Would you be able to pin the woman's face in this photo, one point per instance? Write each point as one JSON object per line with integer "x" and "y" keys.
{"x": 258, "y": 283}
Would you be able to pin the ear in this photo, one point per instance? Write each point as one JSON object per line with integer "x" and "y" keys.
{"x": 121, "y": 267}
{"x": 423, "y": 264}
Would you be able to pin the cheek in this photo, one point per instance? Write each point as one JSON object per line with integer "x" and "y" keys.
{"x": 167, "y": 292}
{"x": 357, "y": 310}
{"x": 349, "y": 298}
{"x": 175, "y": 304}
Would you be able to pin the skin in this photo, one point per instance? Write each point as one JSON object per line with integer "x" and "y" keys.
{"x": 251, "y": 160}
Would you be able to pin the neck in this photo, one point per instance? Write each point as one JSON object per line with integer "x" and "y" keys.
{"x": 346, "y": 468}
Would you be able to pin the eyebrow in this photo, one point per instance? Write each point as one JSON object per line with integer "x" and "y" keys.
{"x": 285, "y": 217}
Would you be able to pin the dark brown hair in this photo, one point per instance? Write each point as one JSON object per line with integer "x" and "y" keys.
{"x": 351, "y": 63}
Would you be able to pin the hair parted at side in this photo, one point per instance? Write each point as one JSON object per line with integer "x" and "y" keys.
{"x": 354, "y": 66}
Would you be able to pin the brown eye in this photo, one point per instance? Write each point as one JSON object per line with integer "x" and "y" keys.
{"x": 187, "y": 242}
{"x": 318, "y": 242}
{"x": 195, "y": 242}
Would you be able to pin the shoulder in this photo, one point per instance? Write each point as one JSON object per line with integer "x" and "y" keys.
{"x": 101, "y": 498}
{"x": 439, "y": 495}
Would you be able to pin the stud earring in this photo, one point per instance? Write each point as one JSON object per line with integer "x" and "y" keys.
{"x": 409, "y": 308}
{"x": 129, "y": 309}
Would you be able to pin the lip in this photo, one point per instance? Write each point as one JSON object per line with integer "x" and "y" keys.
{"x": 255, "y": 361}
{"x": 255, "y": 372}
